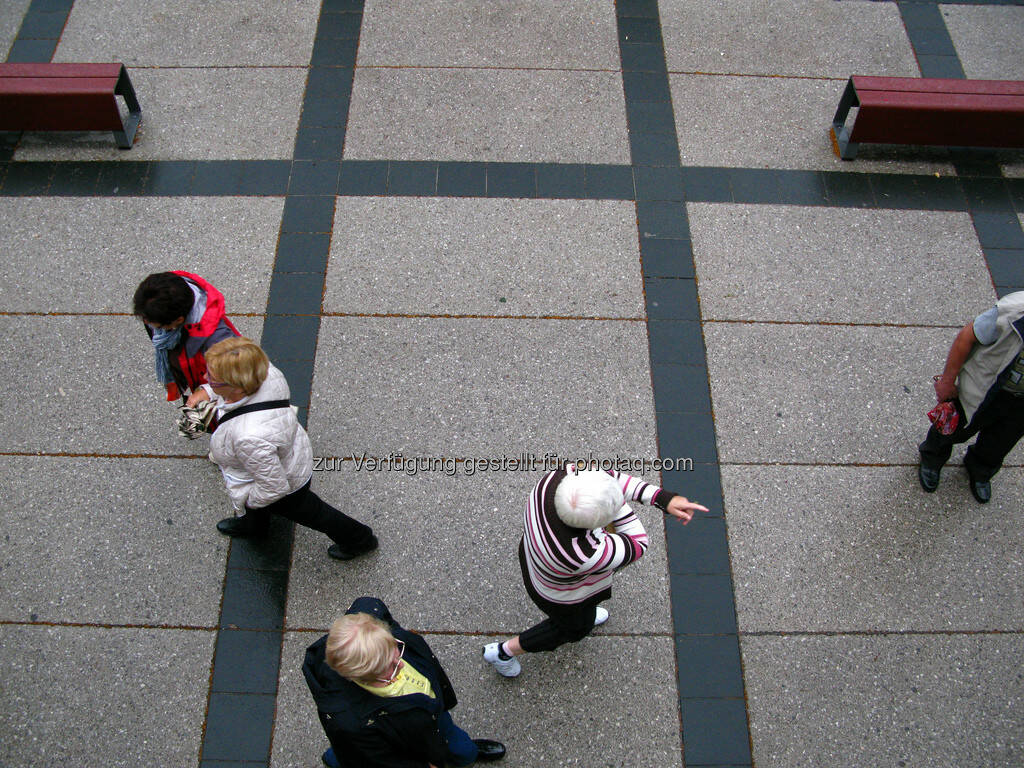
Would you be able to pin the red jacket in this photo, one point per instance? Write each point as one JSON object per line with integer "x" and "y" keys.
{"x": 187, "y": 361}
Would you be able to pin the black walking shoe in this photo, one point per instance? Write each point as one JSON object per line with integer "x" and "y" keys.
{"x": 368, "y": 545}
{"x": 489, "y": 751}
{"x": 237, "y": 527}
{"x": 981, "y": 490}
{"x": 929, "y": 477}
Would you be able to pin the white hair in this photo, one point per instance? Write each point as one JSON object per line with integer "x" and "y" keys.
{"x": 588, "y": 499}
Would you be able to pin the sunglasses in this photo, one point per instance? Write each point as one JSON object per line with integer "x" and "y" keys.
{"x": 398, "y": 663}
{"x": 214, "y": 384}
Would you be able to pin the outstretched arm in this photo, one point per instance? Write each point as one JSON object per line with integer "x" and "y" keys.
{"x": 945, "y": 385}
{"x": 683, "y": 509}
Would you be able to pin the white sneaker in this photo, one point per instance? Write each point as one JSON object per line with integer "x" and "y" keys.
{"x": 509, "y": 668}
{"x": 602, "y": 616}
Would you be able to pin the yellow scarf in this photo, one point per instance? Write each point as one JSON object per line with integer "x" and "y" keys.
{"x": 409, "y": 680}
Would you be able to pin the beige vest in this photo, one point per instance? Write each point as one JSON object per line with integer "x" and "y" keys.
{"x": 986, "y": 362}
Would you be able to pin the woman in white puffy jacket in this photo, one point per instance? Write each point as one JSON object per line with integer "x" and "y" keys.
{"x": 264, "y": 453}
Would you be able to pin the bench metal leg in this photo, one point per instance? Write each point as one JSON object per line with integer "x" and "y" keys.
{"x": 841, "y": 144}
{"x": 126, "y": 137}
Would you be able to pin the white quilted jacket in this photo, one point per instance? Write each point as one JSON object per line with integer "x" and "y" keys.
{"x": 264, "y": 455}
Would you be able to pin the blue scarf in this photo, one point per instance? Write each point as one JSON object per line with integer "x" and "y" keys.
{"x": 163, "y": 341}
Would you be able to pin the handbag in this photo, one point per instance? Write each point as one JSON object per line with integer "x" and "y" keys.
{"x": 196, "y": 420}
{"x": 945, "y": 417}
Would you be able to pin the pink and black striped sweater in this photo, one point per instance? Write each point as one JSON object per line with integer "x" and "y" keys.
{"x": 569, "y": 566}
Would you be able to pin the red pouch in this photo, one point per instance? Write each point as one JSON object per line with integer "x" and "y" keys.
{"x": 945, "y": 417}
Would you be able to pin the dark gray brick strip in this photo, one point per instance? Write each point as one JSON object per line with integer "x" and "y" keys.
{"x": 243, "y": 689}
{"x": 926, "y": 30}
{"x": 383, "y": 178}
{"x": 40, "y": 30}
{"x": 712, "y": 699}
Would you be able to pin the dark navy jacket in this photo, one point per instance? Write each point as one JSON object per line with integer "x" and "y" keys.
{"x": 383, "y": 732}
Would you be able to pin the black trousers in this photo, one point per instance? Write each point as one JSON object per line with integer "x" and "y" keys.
{"x": 306, "y": 508}
{"x": 999, "y": 425}
{"x": 564, "y": 623}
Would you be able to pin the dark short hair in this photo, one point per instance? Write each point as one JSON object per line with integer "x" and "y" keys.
{"x": 162, "y": 298}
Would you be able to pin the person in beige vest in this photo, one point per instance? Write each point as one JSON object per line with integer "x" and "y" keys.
{"x": 984, "y": 379}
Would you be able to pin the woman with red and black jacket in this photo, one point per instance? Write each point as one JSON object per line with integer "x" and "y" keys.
{"x": 184, "y": 316}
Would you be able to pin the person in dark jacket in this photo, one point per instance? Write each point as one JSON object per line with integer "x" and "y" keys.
{"x": 383, "y": 697}
{"x": 184, "y": 316}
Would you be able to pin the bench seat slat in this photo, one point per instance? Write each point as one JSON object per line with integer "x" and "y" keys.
{"x": 21, "y": 69}
{"x": 49, "y": 85}
{"x": 865, "y": 84}
{"x": 941, "y": 102}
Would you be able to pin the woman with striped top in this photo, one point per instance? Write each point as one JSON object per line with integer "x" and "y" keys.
{"x": 568, "y": 557}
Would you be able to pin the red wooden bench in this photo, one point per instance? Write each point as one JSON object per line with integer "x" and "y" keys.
{"x": 908, "y": 110}
{"x": 68, "y": 97}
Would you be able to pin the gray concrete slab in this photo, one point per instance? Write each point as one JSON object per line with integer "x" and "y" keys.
{"x": 634, "y": 725}
{"x": 102, "y": 696}
{"x": 457, "y": 256}
{"x": 194, "y": 114}
{"x": 575, "y": 34}
{"x": 864, "y": 549}
{"x": 805, "y": 38}
{"x": 487, "y": 114}
{"x": 941, "y": 701}
{"x": 88, "y": 255}
{"x": 787, "y": 263}
{"x": 822, "y": 394}
{"x": 987, "y": 39}
{"x": 11, "y": 14}
{"x": 460, "y": 531}
{"x": 87, "y": 385}
{"x": 195, "y": 33}
{"x": 776, "y": 122}
{"x": 111, "y": 541}
{"x": 481, "y": 388}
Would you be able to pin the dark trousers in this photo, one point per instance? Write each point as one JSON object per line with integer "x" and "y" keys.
{"x": 564, "y": 623}
{"x": 306, "y": 508}
{"x": 999, "y": 425}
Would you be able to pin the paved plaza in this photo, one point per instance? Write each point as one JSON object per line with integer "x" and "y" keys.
{"x": 474, "y": 235}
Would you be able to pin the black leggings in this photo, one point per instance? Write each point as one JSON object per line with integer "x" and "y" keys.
{"x": 564, "y": 623}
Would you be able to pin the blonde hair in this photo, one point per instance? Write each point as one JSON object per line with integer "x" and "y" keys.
{"x": 240, "y": 362}
{"x": 589, "y": 499}
{"x": 359, "y": 646}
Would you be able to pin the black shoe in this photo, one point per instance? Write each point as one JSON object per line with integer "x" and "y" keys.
{"x": 489, "y": 750}
{"x": 338, "y": 553}
{"x": 981, "y": 490}
{"x": 929, "y": 477}
{"x": 237, "y": 527}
